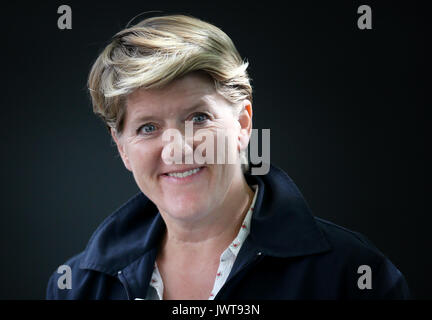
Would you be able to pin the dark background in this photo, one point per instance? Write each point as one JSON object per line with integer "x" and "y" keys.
{"x": 346, "y": 109}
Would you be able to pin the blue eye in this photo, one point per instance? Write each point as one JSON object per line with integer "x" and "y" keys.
{"x": 199, "y": 118}
{"x": 147, "y": 128}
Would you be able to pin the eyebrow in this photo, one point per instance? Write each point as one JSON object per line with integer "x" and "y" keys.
{"x": 197, "y": 105}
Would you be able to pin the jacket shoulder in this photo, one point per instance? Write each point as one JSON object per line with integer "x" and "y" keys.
{"x": 60, "y": 281}
{"x": 70, "y": 282}
{"x": 354, "y": 255}
{"x": 342, "y": 238}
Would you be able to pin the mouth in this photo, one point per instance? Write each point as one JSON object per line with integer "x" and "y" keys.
{"x": 183, "y": 175}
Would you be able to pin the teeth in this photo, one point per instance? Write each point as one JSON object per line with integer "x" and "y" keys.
{"x": 184, "y": 174}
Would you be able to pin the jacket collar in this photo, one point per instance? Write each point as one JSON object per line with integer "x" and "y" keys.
{"x": 282, "y": 225}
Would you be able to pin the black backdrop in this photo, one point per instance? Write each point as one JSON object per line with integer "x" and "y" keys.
{"x": 346, "y": 109}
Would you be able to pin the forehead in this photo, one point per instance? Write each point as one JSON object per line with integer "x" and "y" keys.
{"x": 183, "y": 92}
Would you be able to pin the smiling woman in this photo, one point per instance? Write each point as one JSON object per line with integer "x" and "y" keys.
{"x": 205, "y": 230}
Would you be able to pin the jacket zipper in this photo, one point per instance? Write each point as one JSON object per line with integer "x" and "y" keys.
{"x": 124, "y": 283}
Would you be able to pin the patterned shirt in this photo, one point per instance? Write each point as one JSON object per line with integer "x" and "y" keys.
{"x": 226, "y": 260}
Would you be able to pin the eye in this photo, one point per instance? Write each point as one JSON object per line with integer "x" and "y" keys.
{"x": 147, "y": 129}
{"x": 200, "y": 117}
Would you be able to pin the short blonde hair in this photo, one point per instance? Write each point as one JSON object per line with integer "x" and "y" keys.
{"x": 158, "y": 50}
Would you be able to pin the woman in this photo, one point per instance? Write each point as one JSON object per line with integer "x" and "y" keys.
{"x": 205, "y": 230}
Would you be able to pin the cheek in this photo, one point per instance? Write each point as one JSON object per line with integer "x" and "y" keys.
{"x": 143, "y": 158}
{"x": 219, "y": 145}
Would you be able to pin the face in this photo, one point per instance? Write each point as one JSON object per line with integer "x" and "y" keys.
{"x": 178, "y": 192}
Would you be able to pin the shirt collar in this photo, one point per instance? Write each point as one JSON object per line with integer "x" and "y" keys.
{"x": 244, "y": 231}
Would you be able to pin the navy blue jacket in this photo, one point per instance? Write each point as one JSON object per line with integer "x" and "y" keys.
{"x": 289, "y": 254}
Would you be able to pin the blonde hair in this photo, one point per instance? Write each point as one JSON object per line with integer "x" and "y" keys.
{"x": 158, "y": 50}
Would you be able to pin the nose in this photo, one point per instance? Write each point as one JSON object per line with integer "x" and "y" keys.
{"x": 178, "y": 146}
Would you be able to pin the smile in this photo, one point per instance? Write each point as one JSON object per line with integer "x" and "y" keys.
{"x": 184, "y": 174}
{"x": 183, "y": 177}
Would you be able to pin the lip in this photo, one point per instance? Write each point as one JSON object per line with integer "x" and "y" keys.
{"x": 188, "y": 179}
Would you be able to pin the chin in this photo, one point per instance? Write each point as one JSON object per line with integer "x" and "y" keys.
{"x": 187, "y": 210}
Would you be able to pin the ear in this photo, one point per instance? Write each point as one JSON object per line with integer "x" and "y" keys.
{"x": 245, "y": 120}
{"x": 120, "y": 149}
